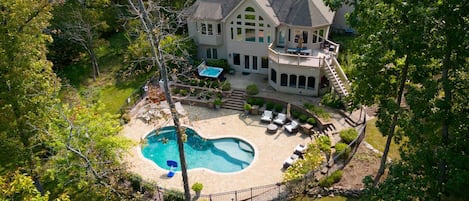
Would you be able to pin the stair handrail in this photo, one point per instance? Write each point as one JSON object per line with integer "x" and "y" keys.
{"x": 341, "y": 70}
{"x": 341, "y": 87}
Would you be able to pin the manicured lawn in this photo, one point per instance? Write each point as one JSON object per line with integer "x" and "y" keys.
{"x": 376, "y": 139}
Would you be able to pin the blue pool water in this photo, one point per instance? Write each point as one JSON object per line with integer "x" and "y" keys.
{"x": 213, "y": 72}
{"x": 220, "y": 155}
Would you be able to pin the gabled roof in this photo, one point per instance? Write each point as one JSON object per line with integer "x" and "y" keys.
{"x": 292, "y": 12}
{"x": 211, "y": 9}
{"x": 302, "y": 12}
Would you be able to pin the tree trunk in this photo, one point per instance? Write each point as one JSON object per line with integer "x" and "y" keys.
{"x": 392, "y": 128}
{"x": 94, "y": 62}
{"x": 158, "y": 60}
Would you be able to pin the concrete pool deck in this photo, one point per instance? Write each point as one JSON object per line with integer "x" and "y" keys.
{"x": 270, "y": 150}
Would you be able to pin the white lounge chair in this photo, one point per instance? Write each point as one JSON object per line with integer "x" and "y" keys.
{"x": 300, "y": 149}
{"x": 290, "y": 160}
{"x": 292, "y": 127}
{"x": 267, "y": 116}
{"x": 280, "y": 119}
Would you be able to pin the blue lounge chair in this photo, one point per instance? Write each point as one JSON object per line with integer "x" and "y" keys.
{"x": 172, "y": 165}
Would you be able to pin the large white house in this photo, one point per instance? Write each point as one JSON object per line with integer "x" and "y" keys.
{"x": 287, "y": 40}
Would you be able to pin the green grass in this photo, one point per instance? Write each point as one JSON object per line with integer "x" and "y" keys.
{"x": 113, "y": 92}
{"x": 376, "y": 139}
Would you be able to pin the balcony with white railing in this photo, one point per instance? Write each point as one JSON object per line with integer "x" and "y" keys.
{"x": 307, "y": 56}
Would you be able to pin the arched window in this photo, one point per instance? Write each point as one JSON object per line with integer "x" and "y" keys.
{"x": 302, "y": 82}
{"x": 292, "y": 81}
{"x": 283, "y": 79}
{"x": 311, "y": 82}
{"x": 273, "y": 75}
{"x": 250, "y": 9}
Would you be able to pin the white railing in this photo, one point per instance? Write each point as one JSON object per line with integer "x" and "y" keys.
{"x": 336, "y": 79}
{"x": 340, "y": 71}
{"x": 294, "y": 59}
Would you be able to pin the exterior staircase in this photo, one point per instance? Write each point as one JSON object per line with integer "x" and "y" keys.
{"x": 236, "y": 100}
{"x": 339, "y": 80}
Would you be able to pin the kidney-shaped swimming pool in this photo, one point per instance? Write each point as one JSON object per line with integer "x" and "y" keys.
{"x": 220, "y": 155}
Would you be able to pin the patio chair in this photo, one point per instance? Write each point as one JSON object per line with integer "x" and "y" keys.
{"x": 292, "y": 127}
{"x": 300, "y": 149}
{"x": 172, "y": 165}
{"x": 267, "y": 116}
{"x": 290, "y": 160}
{"x": 280, "y": 119}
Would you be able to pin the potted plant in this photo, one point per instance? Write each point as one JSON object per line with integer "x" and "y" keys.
{"x": 217, "y": 102}
{"x": 197, "y": 187}
{"x": 247, "y": 108}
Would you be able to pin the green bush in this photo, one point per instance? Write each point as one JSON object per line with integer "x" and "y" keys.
{"x": 331, "y": 179}
{"x": 332, "y": 101}
{"x": 194, "y": 82}
{"x": 269, "y": 106}
{"x": 316, "y": 110}
{"x": 135, "y": 181}
{"x": 342, "y": 147}
{"x": 348, "y": 135}
{"x": 223, "y": 63}
{"x": 197, "y": 187}
{"x": 175, "y": 90}
{"x": 278, "y": 107}
{"x": 247, "y": 106}
{"x": 295, "y": 114}
{"x": 303, "y": 118}
{"x": 259, "y": 101}
{"x": 252, "y": 89}
{"x": 311, "y": 121}
{"x": 183, "y": 92}
{"x": 251, "y": 100}
{"x": 202, "y": 83}
{"x": 217, "y": 101}
{"x": 225, "y": 86}
{"x": 173, "y": 195}
{"x": 324, "y": 143}
{"x": 126, "y": 118}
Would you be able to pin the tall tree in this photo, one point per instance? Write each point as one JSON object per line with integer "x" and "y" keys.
{"x": 167, "y": 23}
{"x": 83, "y": 23}
{"x": 28, "y": 87}
{"x": 427, "y": 42}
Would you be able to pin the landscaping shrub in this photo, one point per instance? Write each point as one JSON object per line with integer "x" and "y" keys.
{"x": 247, "y": 106}
{"x": 225, "y": 86}
{"x": 295, "y": 114}
{"x": 175, "y": 90}
{"x": 126, "y": 118}
{"x": 183, "y": 92}
{"x": 202, "y": 83}
{"x": 259, "y": 101}
{"x": 173, "y": 195}
{"x": 324, "y": 143}
{"x": 269, "y": 106}
{"x": 278, "y": 107}
{"x": 332, "y": 101}
{"x": 194, "y": 82}
{"x": 331, "y": 179}
{"x": 135, "y": 181}
{"x": 342, "y": 147}
{"x": 311, "y": 121}
{"x": 303, "y": 118}
{"x": 316, "y": 110}
{"x": 197, "y": 187}
{"x": 222, "y": 63}
{"x": 251, "y": 100}
{"x": 252, "y": 89}
{"x": 348, "y": 135}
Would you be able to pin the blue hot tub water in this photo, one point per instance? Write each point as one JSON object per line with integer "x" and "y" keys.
{"x": 213, "y": 72}
{"x": 220, "y": 155}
